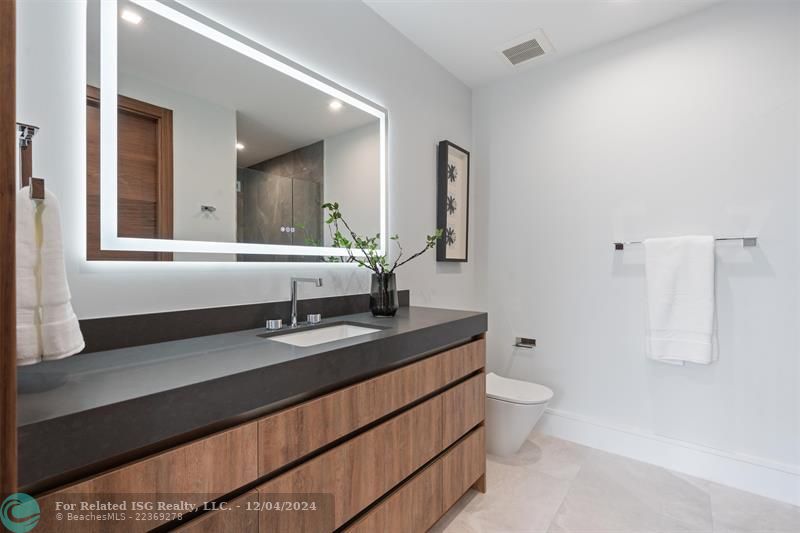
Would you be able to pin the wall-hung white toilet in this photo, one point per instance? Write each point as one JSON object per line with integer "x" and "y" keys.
{"x": 512, "y": 409}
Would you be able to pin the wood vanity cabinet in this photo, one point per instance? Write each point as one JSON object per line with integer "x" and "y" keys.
{"x": 297, "y": 431}
{"x": 392, "y": 453}
{"x": 359, "y": 471}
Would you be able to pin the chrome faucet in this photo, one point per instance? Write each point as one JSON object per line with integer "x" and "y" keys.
{"x": 295, "y": 281}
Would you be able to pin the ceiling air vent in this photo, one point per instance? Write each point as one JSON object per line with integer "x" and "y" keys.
{"x": 524, "y": 48}
{"x": 523, "y": 51}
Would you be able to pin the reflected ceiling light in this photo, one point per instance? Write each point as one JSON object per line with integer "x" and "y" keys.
{"x": 130, "y": 16}
{"x": 335, "y": 105}
{"x": 239, "y": 146}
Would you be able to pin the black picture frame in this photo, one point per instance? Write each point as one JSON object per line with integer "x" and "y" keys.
{"x": 452, "y": 202}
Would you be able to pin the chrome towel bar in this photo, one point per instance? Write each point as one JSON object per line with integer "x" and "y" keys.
{"x": 746, "y": 241}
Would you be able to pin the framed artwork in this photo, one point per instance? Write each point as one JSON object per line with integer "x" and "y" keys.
{"x": 452, "y": 206}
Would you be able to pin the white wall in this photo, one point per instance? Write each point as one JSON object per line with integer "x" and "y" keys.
{"x": 204, "y": 163}
{"x": 352, "y": 167}
{"x": 345, "y": 41}
{"x": 691, "y": 127}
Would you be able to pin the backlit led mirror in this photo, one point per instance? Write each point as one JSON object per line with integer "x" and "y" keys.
{"x": 203, "y": 145}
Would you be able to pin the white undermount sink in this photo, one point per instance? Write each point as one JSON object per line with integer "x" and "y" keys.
{"x": 323, "y": 334}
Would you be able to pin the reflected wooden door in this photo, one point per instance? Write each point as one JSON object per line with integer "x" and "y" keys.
{"x": 144, "y": 168}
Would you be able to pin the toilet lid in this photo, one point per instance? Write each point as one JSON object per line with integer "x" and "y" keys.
{"x": 516, "y": 391}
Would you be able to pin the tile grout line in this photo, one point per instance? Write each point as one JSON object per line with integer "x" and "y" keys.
{"x": 569, "y": 489}
{"x": 563, "y": 501}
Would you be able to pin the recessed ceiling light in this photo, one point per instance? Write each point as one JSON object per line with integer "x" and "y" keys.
{"x": 239, "y": 146}
{"x": 335, "y": 105}
{"x": 130, "y": 16}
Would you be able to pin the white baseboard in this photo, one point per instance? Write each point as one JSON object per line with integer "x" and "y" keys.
{"x": 752, "y": 474}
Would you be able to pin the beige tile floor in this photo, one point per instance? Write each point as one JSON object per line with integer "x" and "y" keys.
{"x": 556, "y": 486}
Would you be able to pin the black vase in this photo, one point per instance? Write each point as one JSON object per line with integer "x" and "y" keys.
{"x": 383, "y": 295}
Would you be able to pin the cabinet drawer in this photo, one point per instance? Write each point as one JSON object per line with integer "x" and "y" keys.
{"x": 297, "y": 431}
{"x": 241, "y": 516}
{"x": 462, "y": 466}
{"x": 463, "y": 360}
{"x": 196, "y": 472}
{"x": 415, "y": 506}
{"x": 464, "y": 406}
{"x": 419, "y": 502}
{"x": 357, "y": 472}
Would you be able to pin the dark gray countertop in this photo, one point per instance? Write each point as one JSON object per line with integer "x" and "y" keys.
{"x": 85, "y": 413}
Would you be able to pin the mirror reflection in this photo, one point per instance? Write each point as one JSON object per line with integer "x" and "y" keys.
{"x": 215, "y": 146}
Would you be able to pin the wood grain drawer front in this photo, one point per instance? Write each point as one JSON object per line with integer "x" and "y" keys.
{"x": 357, "y": 472}
{"x": 196, "y": 472}
{"x": 414, "y": 507}
{"x": 241, "y": 516}
{"x": 462, "y": 466}
{"x": 464, "y": 406}
{"x": 419, "y": 503}
{"x": 463, "y": 360}
{"x": 210, "y": 467}
{"x": 297, "y": 431}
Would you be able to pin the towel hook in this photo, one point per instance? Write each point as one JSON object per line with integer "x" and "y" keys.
{"x": 36, "y": 188}
{"x": 25, "y": 134}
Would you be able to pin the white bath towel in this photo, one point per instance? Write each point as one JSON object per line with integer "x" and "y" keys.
{"x": 61, "y": 334}
{"x": 47, "y": 327}
{"x": 680, "y": 299}
{"x": 29, "y": 344}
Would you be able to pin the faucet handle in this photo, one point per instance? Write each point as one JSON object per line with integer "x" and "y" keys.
{"x": 314, "y": 318}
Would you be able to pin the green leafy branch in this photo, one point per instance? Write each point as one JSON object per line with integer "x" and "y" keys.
{"x": 343, "y": 236}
